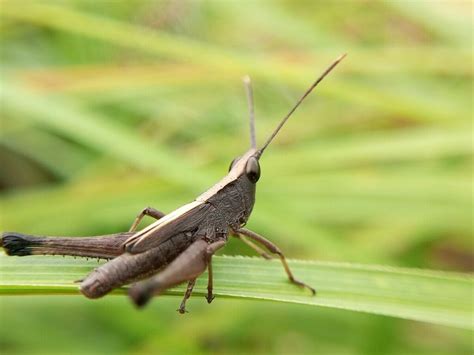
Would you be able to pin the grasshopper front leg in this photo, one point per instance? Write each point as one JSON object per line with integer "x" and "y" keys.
{"x": 254, "y": 246}
{"x": 187, "y": 266}
{"x": 273, "y": 249}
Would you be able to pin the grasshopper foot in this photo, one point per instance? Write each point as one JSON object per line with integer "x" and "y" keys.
{"x": 302, "y": 284}
{"x": 182, "y": 309}
{"x": 210, "y": 297}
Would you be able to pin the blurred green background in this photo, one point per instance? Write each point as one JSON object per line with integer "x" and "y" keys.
{"x": 111, "y": 106}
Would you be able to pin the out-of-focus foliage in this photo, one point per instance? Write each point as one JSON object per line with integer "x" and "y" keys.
{"x": 111, "y": 106}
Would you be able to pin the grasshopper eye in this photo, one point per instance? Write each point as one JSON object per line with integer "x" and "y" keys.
{"x": 232, "y": 163}
{"x": 252, "y": 169}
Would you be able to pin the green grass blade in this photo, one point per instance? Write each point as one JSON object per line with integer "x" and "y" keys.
{"x": 96, "y": 131}
{"x": 429, "y": 296}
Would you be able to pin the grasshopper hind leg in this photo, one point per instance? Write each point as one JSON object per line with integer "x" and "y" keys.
{"x": 102, "y": 247}
{"x": 187, "y": 266}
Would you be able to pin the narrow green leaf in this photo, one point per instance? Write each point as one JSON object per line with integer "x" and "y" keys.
{"x": 47, "y": 150}
{"x": 429, "y": 296}
{"x": 95, "y": 131}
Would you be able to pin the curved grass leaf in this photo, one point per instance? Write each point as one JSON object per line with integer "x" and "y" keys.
{"x": 429, "y": 296}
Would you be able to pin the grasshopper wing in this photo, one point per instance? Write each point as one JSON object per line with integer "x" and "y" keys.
{"x": 185, "y": 219}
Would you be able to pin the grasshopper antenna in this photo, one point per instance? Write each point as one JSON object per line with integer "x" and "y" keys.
{"x": 283, "y": 121}
{"x": 249, "y": 91}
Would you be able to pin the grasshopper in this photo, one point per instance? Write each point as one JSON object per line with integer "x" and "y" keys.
{"x": 178, "y": 247}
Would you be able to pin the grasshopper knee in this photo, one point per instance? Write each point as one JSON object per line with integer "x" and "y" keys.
{"x": 16, "y": 244}
{"x": 92, "y": 287}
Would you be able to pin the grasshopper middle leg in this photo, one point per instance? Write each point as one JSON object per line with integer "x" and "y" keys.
{"x": 275, "y": 250}
{"x": 147, "y": 211}
{"x": 189, "y": 290}
{"x": 210, "y": 282}
{"x": 187, "y": 294}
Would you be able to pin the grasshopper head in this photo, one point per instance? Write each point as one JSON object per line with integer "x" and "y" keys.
{"x": 248, "y": 164}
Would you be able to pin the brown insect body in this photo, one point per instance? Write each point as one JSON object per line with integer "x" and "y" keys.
{"x": 222, "y": 209}
{"x": 127, "y": 267}
{"x": 177, "y": 247}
